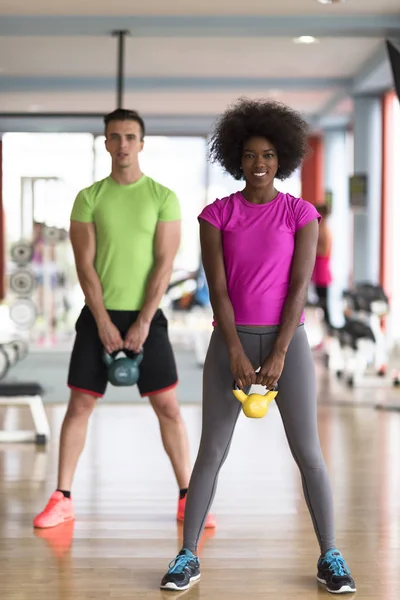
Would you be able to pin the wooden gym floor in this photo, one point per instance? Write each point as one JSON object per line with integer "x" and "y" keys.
{"x": 264, "y": 546}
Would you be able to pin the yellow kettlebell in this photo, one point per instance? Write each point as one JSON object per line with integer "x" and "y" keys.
{"x": 254, "y": 406}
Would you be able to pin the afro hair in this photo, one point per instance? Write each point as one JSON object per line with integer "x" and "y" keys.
{"x": 281, "y": 125}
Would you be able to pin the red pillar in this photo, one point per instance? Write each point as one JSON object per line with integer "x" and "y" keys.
{"x": 312, "y": 173}
{"x": 2, "y": 232}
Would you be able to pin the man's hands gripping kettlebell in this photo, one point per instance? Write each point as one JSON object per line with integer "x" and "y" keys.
{"x": 110, "y": 336}
{"x": 137, "y": 335}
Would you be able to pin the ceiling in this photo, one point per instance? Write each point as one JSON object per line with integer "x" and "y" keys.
{"x": 183, "y": 7}
{"x": 185, "y": 61}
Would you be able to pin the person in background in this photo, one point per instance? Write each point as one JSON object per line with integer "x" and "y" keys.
{"x": 322, "y": 276}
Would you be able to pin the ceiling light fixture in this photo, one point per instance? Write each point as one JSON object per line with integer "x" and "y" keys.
{"x": 331, "y": 1}
{"x": 305, "y": 39}
{"x": 34, "y": 107}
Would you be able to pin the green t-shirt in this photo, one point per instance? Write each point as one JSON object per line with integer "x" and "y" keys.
{"x": 125, "y": 217}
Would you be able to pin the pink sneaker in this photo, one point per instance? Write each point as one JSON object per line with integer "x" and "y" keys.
{"x": 58, "y": 510}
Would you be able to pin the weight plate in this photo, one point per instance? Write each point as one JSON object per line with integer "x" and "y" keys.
{"x": 51, "y": 234}
{"x": 22, "y": 282}
{"x": 21, "y": 253}
{"x": 11, "y": 352}
{"x": 4, "y": 363}
{"x": 21, "y": 348}
{"x": 23, "y": 313}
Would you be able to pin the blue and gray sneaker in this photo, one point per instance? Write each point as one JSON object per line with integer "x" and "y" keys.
{"x": 334, "y": 573}
{"x": 183, "y": 570}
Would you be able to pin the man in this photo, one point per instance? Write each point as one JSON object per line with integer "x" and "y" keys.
{"x": 125, "y": 233}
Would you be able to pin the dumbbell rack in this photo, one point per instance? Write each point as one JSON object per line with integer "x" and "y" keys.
{"x": 23, "y": 313}
{"x": 10, "y": 353}
{"x": 22, "y": 285}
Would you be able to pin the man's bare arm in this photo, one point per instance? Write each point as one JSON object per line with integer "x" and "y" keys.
{"x": 166, "y": 244}
{"x": 83, "y": 240}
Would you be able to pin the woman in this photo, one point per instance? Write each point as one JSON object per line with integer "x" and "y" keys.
{"x": 258, "y": 250}
{"x": 322, "y": 277}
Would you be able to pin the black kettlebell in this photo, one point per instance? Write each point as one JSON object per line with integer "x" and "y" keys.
{"x": 124, "y": 370}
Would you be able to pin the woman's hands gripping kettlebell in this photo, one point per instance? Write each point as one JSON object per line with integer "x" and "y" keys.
{"x": 242, "y": 369}
{"x": 271, "y": 369}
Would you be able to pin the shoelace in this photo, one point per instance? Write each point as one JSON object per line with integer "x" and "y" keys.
{"x": 337, "y": 565}
{"x": 179, "y": 564}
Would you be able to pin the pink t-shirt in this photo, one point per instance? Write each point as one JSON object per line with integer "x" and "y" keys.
{"x": 322, "y": 275}
{"x": 258, "y": 244}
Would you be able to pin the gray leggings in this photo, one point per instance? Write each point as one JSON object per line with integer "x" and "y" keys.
{"x": 297, "y": 404}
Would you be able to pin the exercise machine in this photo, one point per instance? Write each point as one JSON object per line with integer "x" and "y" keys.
{"x": 359, "y": 351}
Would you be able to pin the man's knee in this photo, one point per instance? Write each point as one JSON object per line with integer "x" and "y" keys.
{"x": 166, "y": 406}
{"x": 81, "y": 404}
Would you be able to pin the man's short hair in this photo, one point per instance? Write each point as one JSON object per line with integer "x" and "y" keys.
{"x": 122, "y": 114}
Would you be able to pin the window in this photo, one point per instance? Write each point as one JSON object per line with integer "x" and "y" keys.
{"x": 180, "y": 164}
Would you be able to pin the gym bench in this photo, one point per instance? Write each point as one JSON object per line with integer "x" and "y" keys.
{"x": 26, "y": 394}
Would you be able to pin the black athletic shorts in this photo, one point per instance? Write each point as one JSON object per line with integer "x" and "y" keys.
{"x": 87, "y": 371}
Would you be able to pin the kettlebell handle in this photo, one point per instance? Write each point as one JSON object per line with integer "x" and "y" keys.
{"x": 236, "y": 387}
{"x": 109, "y": 358}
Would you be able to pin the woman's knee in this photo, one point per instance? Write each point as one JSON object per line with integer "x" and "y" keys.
{"x": 212, "y": 454}
{"x": 308, "y": 456}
